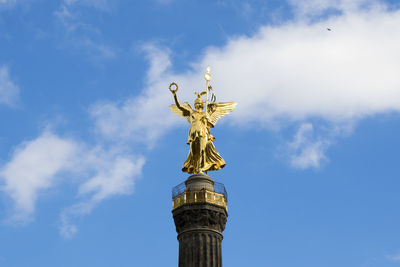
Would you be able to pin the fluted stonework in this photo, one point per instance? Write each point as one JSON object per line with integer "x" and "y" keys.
{"x": 199, "y": 228}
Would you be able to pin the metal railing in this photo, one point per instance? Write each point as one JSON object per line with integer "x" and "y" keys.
{"x": 181, "y": 196}
{"x": 179, "y": 189}
{"x": 220, "y": 188}
{"x": 202, "y": 196}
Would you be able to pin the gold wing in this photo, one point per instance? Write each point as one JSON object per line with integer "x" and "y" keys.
{"x": 218, "y": 110}
{"x": 186, "y": 106}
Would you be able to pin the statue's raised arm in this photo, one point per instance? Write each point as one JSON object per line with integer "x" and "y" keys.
{"x": 183, "y": 110}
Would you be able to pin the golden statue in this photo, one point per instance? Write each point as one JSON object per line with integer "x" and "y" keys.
{"x": 203, "y": 156}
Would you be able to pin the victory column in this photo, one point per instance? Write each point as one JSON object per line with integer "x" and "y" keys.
{"x": 199, "y": 204}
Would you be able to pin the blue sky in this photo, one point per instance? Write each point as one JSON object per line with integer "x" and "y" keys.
{"x": 89, "y": 150}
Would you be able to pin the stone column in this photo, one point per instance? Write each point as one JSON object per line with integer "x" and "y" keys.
{"x": 200, "y": 225}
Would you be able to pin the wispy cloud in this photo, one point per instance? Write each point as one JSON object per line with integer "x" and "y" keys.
{"x": 394, "y": 257}
{"x": 80, "y": 34}
{"x": 98, "y": 4}
{"x": 10, "y": 4}
{"x": 165, "y": 2}
{"x": 32, "y": 169}
{"x": 9, "y": 90}
{"x": 306, "y": 150}
{"x": 38, "y": 165}
{"x": 286, "y": 73}
{"x": 141, "y": 119}
{"x": 115, "y": 174}
{"x": 7, "y": 3}
{"x": 318, "y": 7}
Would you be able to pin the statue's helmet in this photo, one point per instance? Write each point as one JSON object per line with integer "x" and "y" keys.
{"x": 199, "y": 101}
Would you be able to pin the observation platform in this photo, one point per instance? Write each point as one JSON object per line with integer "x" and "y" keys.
{"x": 199, "y": 188}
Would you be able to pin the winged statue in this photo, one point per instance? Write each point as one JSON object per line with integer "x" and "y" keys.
{"x": 203, "y": 156}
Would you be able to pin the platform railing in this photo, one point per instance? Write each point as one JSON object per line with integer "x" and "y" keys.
{"x": 199, "y": 196}
{"x": 181, "y": 196}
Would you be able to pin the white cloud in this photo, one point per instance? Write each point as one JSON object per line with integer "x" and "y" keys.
{"x": 9, "y": 91}
{"x": 114, "y": 175}
{"x": 306, "y": 150}
{"x": 311, "y": 141}
{"x": 67, "y": 230}
{"x": 33, "y": 168}
{"x": 42, "y": 163}
{"x": 143, "y": 118}
{"x": 282, "y": 74}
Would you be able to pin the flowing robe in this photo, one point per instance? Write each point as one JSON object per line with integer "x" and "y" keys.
{"x": 202, "y": 154}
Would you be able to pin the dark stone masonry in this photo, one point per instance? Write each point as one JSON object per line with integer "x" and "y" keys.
{"x": 199, "y": 223}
